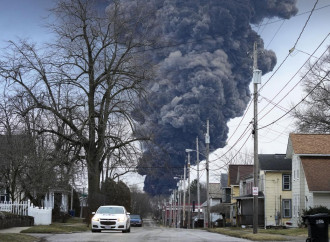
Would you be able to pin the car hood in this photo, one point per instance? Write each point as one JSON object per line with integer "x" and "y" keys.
{"x": 109, "y": 216}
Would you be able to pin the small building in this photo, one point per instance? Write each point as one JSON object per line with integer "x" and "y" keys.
{"x": 235, "y": 173}
{"x": 215, "y": 199}
{"x": 310, "y": 154}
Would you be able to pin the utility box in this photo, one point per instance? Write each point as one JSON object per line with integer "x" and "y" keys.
{"x": 257, "y": 76}
{"x": 318, "y": 225}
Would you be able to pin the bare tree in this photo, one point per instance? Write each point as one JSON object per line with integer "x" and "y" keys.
{"x": 314, "y": 115}
{"x": 87, "y": 80}
{"x": 229, "y": 158}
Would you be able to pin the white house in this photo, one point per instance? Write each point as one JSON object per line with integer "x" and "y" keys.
{"x": 310, "y": 155}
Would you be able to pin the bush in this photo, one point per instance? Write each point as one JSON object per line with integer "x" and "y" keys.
{"x": 316, "y": 210}
{"x": 312, "y": 211}
{"x": 8, "y": 220}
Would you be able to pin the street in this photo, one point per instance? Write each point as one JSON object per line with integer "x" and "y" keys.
{"x": 149, "y": 232}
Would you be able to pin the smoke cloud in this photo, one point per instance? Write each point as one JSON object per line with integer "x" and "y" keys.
{"x": 203, "y": 73}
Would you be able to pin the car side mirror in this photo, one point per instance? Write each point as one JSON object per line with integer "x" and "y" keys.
{"x": 128, "y": 213}
{"x": 93, "y": 213}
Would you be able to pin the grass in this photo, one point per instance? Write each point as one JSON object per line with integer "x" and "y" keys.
{"x": 71, "y": 226}
{"x": 57, "y": 228}
{"x": 17, "y": 238}
{"x": 263, "y": 234}
{"x": 287, "y": 232}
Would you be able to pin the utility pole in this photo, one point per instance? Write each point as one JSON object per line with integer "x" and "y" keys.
{"x": 198, "y": 189}
{"x": 189, "y": 205}
{"x": 171, "y": 212}
{"x": 184, "y": 197}
{"x": 180, "y": 203}
{"x": 174, "y": 209}
{"x": 207, "y": 142}
{"x": 256, "y": 81}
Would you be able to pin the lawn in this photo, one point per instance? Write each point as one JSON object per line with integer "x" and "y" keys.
{"x": 263, "y": 234}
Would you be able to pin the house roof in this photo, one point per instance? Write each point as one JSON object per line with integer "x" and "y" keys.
{"x": 310, "y": 143}
{"x": 236, "y": 172}
{"x": 274, "y": 162}
{"x": 317, "y": 173}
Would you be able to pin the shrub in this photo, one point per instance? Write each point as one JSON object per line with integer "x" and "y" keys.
{"x": 316, "y": 210}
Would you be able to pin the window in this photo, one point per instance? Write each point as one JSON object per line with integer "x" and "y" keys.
{"x": 286, "y": 205}
{"x": 286, "y": 182}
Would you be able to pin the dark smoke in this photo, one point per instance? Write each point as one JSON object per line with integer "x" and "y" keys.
{"x": 204, "y": 73}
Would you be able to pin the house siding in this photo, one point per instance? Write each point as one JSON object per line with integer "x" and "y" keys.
{"x": 302, "y": 198}
{"x": 274, "y": 196}
{"x": 321, "y": 199}
{"x": 297, "y": 186}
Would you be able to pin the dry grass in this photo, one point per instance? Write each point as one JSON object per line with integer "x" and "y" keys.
{"x": 262, "y": 235}
{"x": 57, "y": 228}
{"x": 17, "y": 238}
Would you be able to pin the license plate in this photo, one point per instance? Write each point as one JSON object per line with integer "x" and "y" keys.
{"x": 107, "y": 227}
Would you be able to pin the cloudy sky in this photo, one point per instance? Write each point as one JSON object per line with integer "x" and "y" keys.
{"x": 25, "y": 18}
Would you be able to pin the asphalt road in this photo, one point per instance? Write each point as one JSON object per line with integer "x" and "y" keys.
{"x": 149, "y": 232}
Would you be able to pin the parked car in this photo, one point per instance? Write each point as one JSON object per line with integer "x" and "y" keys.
{"x": 136, "y": 220}
{"x": 111, "y": 217}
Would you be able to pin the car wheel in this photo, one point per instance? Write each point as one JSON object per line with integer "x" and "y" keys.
{"x": 129, "y": 229}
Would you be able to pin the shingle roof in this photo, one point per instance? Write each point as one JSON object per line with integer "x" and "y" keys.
{"x": 317, "y": 173}
{"x": 274, "y": 162}
{"x": 310, "y": 143}
{"x": 235, "y": 172}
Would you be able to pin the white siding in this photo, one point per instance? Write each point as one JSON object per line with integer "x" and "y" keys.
{"x": 296, "y": 189}
{"x": 322, "y": 199}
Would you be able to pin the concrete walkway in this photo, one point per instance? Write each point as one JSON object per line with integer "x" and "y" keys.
{"x": 13, "y": 230}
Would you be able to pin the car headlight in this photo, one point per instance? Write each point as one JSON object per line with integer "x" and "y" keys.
{"x": 121, "y": 219}
{"x": 96, "y": 219}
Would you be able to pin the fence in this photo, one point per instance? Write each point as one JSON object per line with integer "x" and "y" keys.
{"x": 42, "y": 216}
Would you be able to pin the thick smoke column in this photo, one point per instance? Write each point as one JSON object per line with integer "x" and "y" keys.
{"x": 203, "y": 74}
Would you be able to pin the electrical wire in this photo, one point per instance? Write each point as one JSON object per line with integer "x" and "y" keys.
{"x": 299, "y": 80}
{"x": 297, "y": 103}
{"x": 292, "y": 49}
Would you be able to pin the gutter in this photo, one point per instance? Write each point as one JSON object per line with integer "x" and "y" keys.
{"x": 319, "y": 155}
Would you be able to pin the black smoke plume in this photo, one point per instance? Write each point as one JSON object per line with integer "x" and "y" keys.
{"x": 204, "y": 72}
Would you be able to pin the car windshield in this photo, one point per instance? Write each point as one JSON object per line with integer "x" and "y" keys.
{"x": 111, "y": 210}
{"x": 135, "y": 216}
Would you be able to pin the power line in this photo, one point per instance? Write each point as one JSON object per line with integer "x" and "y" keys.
{"x": 287, "y": 83}
{"x": 297, "y": 103}
{"x": 297, "y": 82}
{"x": 300, "y": 14}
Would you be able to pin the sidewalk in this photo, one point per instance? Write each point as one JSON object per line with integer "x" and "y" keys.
{"x": 13, "y": 230}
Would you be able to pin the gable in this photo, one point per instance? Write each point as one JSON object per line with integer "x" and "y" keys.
{"x": 236, "y": 172}
{"x": 317, "y": 173}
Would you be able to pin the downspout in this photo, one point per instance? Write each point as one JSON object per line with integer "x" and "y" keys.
{"x": 281, "y": 209}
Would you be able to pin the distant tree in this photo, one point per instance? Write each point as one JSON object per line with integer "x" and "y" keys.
{"x": 140, "y": 202}
{"x": 314, "y": 115}
{"x": 193, "y": 191}
{"x": 31, "y": 163}
{"x": 114, "y": 193}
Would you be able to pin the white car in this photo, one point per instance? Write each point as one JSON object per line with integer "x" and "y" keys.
{"x": 111, "y": 218}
